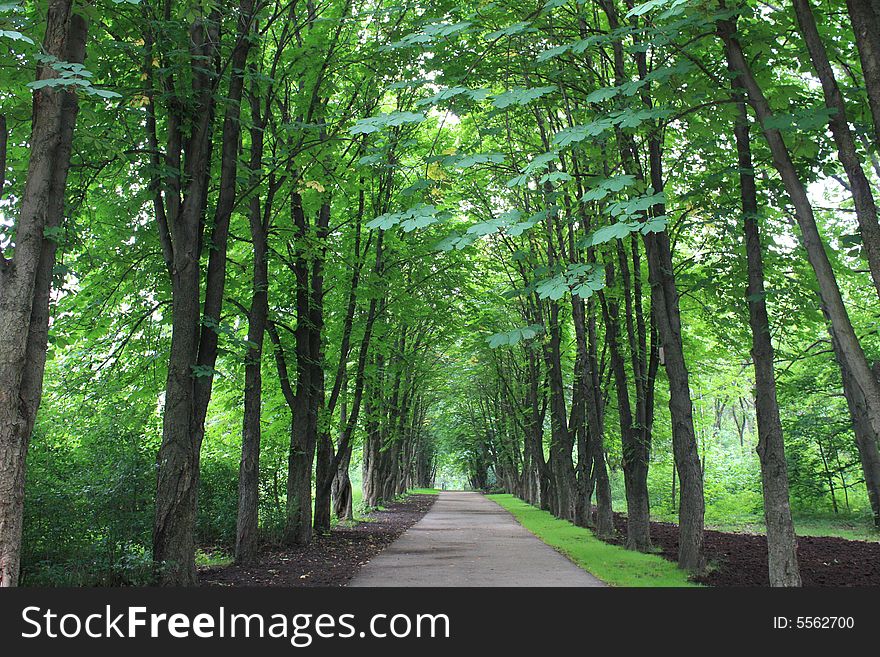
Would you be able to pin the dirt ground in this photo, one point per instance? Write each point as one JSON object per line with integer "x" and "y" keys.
{"x": 734, "y": 559}
{"x": 741, "y": 559}
{"x": 330, "y": 560}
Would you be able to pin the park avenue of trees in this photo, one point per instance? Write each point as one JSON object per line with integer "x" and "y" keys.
{"x": 267, "y": 263}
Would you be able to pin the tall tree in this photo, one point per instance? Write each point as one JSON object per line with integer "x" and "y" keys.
{"x": 26, "y": 276}
{"x": 854, "y": 365}
{"x": 781, "y": 541}
{"x": 182, "y": 222}
{"x": 859, "y": 187}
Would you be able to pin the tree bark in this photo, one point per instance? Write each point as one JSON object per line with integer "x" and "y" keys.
{"x": 848, "y": 349}
{"x": 342, "y": 494}
{"x": 666, "y": 314}
{"x": 25, "y": 278}
{"x": 247, "y": 525}
{"x": 635, "y": 454}
{"x": 194, "y": 333}
{"x": 687, "y": 461}
{"x": 303, "y": 438}
{"x": 339, "y": 490}
{"x": 781, "y": 540}
{"x": 863, "y": 198}
{"x": 866, "y": 27}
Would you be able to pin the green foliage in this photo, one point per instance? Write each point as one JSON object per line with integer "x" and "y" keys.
{"x": 69, "y": 75}
{"x": 506, "y": 166}
{"x": 520, "y": 96}
{"x": 419, "y": 216}
{"x": 515, "y": 336}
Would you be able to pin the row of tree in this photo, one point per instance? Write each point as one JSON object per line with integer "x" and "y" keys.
{"x": 628, "y": 94}
{"x": 230, "y": 152}
{"x": 617, "y": 184}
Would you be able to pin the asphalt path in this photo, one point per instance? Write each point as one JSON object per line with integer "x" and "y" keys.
{"x": 468, "y": 540}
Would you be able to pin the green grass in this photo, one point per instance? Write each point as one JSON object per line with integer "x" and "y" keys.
{"x": 212, "y": 558}
{"x": 854, "y": 528}
{"x": 359, "y": 514}
{"x": 423, "y": 491}
{"x": 610, "y": 563}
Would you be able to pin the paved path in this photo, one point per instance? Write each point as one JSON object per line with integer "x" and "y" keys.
{"x": 468, "y": 540}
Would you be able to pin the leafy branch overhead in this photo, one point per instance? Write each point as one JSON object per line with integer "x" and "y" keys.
{"x": 302, "y": 257}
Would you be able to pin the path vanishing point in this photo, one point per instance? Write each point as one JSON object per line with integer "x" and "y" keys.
{"x": 468, "y": 540}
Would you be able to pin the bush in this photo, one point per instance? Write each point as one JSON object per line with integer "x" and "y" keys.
{"x": 88, "y": 509}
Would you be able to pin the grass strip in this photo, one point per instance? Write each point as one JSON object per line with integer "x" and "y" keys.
{"x": 612, "y": 564}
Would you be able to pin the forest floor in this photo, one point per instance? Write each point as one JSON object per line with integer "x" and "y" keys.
{"x": 740, "y": 559}
{"x": 330, "y": 560}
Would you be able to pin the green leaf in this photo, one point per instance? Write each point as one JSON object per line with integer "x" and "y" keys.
{"x": 636, "y": 204}
{"x": 554, "y": 177}
{"x": 105, "y": 93}
{"x": 478, "y": 95}
{"x": 550, "y": 53}
{"x": 385, "y": 221}
{"x": 515, "y": 336}
{"x": 596, "y": 194}
{"x": 16, "y": 36}
{"x": 467, "y": 161}
{"x": 613, "y": 232}
{"x": 634, "y": 118}
{"x": 418, "y": 216}
{"x": 645, "y": 7}
{"x": 589, "y": 282}
{"x": 578, "y": 133}
{"x": 201, "y": 371}
{"x": 601, "y": 94}
{"x": 45, "y": 82}
{"x": 617, "y": 183}
{"x": 392, "y": 119}
{"x": 511, "y": 30}
{"x": 446, "y": 29}
{"x": 444, "y": 94}
{"x": 520, "y": 96}
{"x": 655, "y": 225}
{"x": 553, "y": 288}
{"x": 540, "y": 162}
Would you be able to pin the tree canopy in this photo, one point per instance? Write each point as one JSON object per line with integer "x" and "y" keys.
{"x": 265, "y": 262}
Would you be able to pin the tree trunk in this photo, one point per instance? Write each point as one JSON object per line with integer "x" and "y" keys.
{"x": 684, "y": 446}
{"x": 866, "y": 27}
{"x": 342, "y": 499}
{"x": 247, "y": 525}
{"x": 303, "y": 439}
{"x": 863, "y": 199}
{"x": 665, "y": 309}
{"x": 561, "y": 466}
{"x": 323, "y": 493}
{"x": 25, "y": 279}
{"x": 781, "y": 541}
{"x": 866, "y": 441}
{"x": 194, "y": 333}
{"x": 604, "y": 521}
{"x": 848, "y": 349}
{"x": 635, "y": 465}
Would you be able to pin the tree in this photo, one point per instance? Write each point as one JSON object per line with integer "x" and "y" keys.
{"x": 26, "y": 276}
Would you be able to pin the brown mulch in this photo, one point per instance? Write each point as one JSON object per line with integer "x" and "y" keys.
{"x": 330, "y": 560}
{"x": 736, "y": 559}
